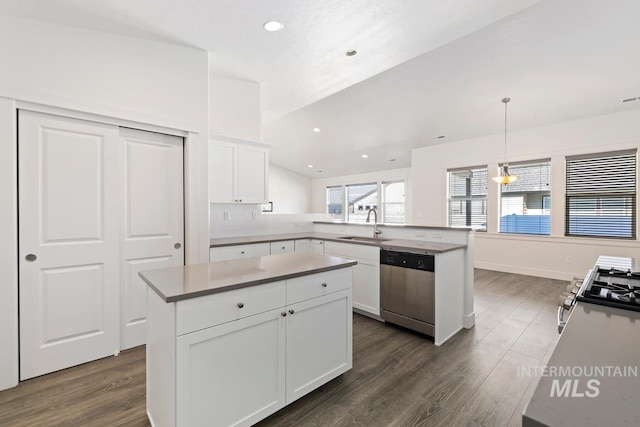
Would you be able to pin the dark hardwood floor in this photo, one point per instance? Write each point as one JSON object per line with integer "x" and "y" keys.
{"x": 399, "y": 378}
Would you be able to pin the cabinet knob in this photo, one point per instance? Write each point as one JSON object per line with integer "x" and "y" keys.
{"x": 283, "y": 248}
{"x": 242, "y": 252}
{"x": 324, "y": 285}
{"x": 291, "y": 311}
{"x": 31, "y": 257}
{"x": 240, "y": 305}
{"x": 240, "y": 200}
{"x": 177, "y": 246}
{"x": 283, "y": 314}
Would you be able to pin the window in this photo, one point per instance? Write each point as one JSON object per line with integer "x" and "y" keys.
{"x": 361, "y": 198}
{"x": 525, "y": 204}
{"x": 467, "y": 205}
{"x": 393, "y": 202}
{"x": 335, "y": 201}
{"x": 601, "y": 195}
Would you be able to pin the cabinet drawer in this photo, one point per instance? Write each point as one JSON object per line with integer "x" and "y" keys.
{"x": 282, "y": 247}
{"x": 224, "y": 253}
{"x": 203, "y": 312}
{"x": 315, "y": 285}
{"x": 352, "y": 250}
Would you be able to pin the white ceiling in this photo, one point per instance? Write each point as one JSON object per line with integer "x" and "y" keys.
{"x": 424, "y": 68}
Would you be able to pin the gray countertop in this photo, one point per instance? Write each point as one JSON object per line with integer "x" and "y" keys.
{"x": 595, "y": 337}
{"x": 190, "y": 281}
{"x": 425, "y": 227}
{"x": 398, "y": 244}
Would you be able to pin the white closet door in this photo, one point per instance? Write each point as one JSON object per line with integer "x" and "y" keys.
{"x": 69, "y": 209}
{"x": 153, "y": 227}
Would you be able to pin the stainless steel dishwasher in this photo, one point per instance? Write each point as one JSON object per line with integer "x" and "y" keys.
{"x": 407, "y": 290}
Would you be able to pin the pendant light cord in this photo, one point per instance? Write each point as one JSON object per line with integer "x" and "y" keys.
{"x": 505, "y": 101}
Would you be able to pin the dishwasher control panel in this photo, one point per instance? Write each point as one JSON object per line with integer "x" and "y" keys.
{"x": 407, "y": 260}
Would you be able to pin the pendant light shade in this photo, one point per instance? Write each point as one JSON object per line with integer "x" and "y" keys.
{"x": 505, "y": 177}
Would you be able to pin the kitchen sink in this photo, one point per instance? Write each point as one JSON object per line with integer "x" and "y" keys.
{"x": 363, "y": 239}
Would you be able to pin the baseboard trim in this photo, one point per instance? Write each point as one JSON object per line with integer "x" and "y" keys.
{"x": 527, "y": 271}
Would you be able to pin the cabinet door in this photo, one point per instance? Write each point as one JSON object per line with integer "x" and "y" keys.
{"x": 283, "y": 247}
{"x": 318, "y": 246}
{"x": 224, "y": 253}
{"x": 222, "y": 172}
{"x": 303, "y": 245}
{"x": 366, "y": 286}
{"x": 319, "y": 333}
{"x": 253, "y": 163}
{"x": 232, "y": 374}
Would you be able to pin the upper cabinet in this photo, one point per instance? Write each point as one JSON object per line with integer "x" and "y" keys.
{"x": 238, "y": 172}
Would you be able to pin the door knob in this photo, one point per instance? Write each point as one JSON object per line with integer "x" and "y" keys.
{"x": 177, "y": 246}
{"x": 31, "y": 257}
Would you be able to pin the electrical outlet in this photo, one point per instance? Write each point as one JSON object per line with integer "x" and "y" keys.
{"x": 420, "y": 234}
{"x": 226, "y": 216}
{"x": 568, "y": 259}
{"x": 436, "y": 234}
{"x": 254, "y": 215}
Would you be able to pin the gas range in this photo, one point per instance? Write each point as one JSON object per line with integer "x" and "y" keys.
{"x": 612, "y": 286}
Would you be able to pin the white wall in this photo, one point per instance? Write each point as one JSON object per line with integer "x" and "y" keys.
{"x": 234, "y": 108}
{"x": 545, "y": 256}
{"x": 289, "y": 192}
{"x": 140, "y": 82}
{"x": 318, "y": 187}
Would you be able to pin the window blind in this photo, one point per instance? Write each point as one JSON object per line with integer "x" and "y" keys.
{"x": 467, "y": 204}
{"x": 601, "y": 195}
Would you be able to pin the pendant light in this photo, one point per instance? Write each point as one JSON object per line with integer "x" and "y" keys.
{"x": 505, "y": 177}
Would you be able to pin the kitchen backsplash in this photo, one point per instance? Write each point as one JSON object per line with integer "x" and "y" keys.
{"x": 238, "y": 220}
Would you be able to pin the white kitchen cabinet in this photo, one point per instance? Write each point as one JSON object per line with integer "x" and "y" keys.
{"x": 303, "y": 245}
{"x": 366, "y": 274}
{"x": 317, "y": 246}
{"x": 282, "y": 247}
{"x": 310, "y": 245}
{"x": 224, "y": 253}
{"x": 209, "y": 363}
{"x": 232, "y": 374}
{"x": 319, "y": 342}
{"x": 238, "y": 172}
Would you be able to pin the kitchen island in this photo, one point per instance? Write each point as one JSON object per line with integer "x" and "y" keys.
{"x": 231, "y": 342}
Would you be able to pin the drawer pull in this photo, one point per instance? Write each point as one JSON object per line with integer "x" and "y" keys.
{"x": 291, "y": 311}
{"x": 324, "y": 285}
{"x": 240, "y": 305}
{"x": 283, "y": 314}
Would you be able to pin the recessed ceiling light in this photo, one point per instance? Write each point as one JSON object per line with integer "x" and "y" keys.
{"x": 309, "y": 166}
{"x": 316, "y": 129}
{"x": 351, "y": 52}
{"x": 273, "y": 26}
{"x": 364, "y": 156}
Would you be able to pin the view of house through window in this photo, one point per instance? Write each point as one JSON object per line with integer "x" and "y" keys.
{"x": 467, "y": 204}
{"x": 335, "y": 201}
{"x": 525, "y": 205}
{"x": 361, "y": 198}
{"x": 352, "y": 202}
{"x": 393, "y": 202}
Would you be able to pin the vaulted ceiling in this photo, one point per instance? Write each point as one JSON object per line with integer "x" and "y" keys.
{"x": 424, "y": 68}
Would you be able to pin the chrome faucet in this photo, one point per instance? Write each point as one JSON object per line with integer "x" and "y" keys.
{"x": 376, "y": 232}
